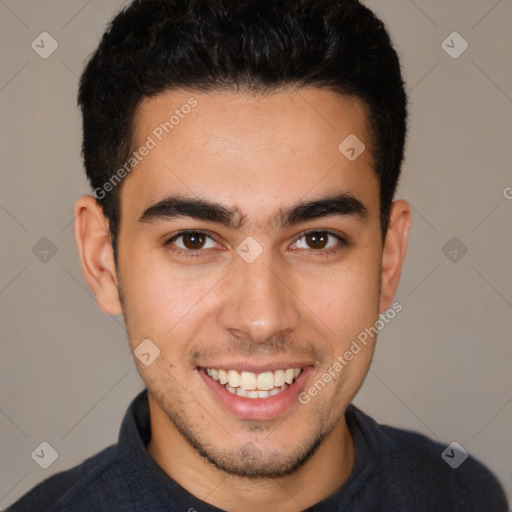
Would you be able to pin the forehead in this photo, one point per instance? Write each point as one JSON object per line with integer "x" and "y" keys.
{"x": 252, "y": 152}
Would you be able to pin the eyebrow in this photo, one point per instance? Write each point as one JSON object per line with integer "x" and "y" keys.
{"x": 177, "y": 206}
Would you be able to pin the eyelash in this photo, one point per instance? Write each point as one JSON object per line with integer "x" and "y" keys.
{"x": 195, "y": 254}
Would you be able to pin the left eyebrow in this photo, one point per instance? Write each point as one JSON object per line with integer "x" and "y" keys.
{"x": 200, "y": 209}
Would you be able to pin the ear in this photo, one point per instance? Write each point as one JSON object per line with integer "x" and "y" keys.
{"x": 393, "y": 254}
{"x": 96, "y": 254}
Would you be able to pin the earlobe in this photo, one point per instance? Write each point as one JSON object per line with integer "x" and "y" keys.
{"x": 393, "y": 254}
{"x": 96, "y": 254}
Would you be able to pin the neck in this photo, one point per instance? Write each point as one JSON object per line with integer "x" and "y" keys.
{"x": 318, "y": 478}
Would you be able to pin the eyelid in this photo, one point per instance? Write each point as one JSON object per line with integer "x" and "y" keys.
{"x": 320, "y": 230}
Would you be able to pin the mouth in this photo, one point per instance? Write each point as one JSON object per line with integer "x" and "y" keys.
{"x": 255, "y": 385}
{"x": 262, "y": 395}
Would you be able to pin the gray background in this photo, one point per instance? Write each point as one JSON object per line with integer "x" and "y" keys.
{"x": 443, "y": 365}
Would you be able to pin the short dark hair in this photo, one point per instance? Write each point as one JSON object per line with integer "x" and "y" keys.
{"x": 241, "y": 45}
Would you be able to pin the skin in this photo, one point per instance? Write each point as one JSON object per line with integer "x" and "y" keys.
{"x": 258, "y": 155}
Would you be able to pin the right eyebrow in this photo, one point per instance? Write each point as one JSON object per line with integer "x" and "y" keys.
{"x": 178, "y": 206}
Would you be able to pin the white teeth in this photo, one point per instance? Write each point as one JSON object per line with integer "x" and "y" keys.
{"x": 233, "y": 378}
{"x": 241, "y": 392}
{"x": 248, "y": 381}
{"x": 278, "y": 378}
{"x": 255, "y": 393}
{"x": 252, "y": 385}
{"x": 266, "y": 381}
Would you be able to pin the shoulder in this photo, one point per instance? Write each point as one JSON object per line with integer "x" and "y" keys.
{"x": 62, "y": 490}
{"x": 412, "y": 465}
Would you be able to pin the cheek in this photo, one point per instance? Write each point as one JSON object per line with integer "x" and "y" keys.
{"x": 345, "y": 297}
{"x": 160, "y": 300}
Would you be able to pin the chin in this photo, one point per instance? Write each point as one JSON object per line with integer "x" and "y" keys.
{"x": 250, "y": 461}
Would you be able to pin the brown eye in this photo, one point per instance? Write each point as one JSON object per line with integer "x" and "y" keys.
{"x": 194, "y": 241}
{"x": 317, "y": 240}
{"x": 320, "y": 242}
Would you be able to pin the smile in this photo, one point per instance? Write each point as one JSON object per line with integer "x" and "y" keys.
{"x": 255, "y": 385}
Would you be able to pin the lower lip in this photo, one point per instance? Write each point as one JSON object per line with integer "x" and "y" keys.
{"x": 257, "y": 408}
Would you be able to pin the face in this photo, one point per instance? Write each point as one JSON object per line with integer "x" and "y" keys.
{"x": 250, "y": 254}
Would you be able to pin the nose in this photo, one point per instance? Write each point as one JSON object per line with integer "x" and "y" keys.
{"x": 259, "y": 302}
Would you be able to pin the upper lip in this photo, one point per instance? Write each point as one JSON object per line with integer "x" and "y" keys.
{"x": 247, "y": 366}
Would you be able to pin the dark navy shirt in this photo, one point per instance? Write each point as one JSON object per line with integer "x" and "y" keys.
{"x": 394, "y": 470}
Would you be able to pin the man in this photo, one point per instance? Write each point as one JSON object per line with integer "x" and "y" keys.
{"x": 244, "y": 157}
